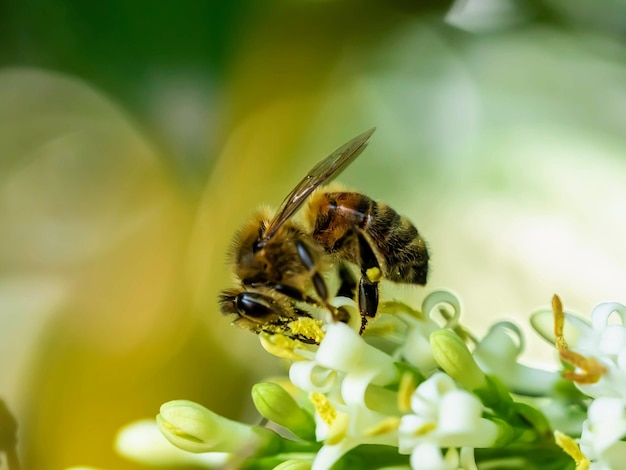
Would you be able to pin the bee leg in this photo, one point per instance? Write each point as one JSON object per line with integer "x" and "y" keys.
{"x": 368, "y": 285}
{"x": 295, "y": 294}
{"x": 368, "y": 300}
{"x": 319, "y": 284}
{"x": 348, "y": 282}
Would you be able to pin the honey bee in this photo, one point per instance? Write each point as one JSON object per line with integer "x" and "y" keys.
{"x": 280, "y": 261}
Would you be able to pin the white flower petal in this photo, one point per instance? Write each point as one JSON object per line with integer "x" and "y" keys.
{"x": 612, "y": 340}
{"x": 354, "y": 386}
{"x": 614, "y": 456}
{"x": 327, "y": 456}
{"x": 311, "y": 377}
{"x": 459, "y": 412}
{"x": 344, "y": 350}
{"x": 574, "y": 328}
{"x": 427, "y": 456}
{"x": 607, "y": 417}
{"x": 411, "y": 432}
{"x": 417, "y": 352}
{"x": 602, "y": 312}
{"x": 497, "y": 354}
{"x": 427, "y": 396}
{"x": 468, "y": 462}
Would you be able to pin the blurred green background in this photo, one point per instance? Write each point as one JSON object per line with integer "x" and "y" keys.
{"x": 135, "y": 137}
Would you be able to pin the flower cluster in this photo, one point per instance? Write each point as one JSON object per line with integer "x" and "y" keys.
{"x": 595, "y": 357}
{"x": 419, "y": 391}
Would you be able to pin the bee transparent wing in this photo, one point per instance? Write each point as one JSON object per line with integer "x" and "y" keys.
{"x": 323, "y": 172}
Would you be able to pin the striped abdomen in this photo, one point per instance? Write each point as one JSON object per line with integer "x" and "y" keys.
{"x": 342, "y": 220}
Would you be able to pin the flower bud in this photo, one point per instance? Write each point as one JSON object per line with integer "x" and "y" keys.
{"x": 142, "y": 442}
{"x": 455, "y": 359}
{"x": 296, "y": 464}
{"x": 275, "y": 404}
{"x": 194, "y": 428}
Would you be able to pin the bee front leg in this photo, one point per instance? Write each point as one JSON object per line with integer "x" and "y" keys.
{"x": 319, "y": 284}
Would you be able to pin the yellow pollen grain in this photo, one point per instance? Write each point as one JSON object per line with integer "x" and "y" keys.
{"x": 374, "y": 274}
{"x": 405, "y": 390}
{"x": 385, "y": 426}
{"x": 307, "y": 328}
{"x": 572, "y": 449}
{"x": 323, "y": 408}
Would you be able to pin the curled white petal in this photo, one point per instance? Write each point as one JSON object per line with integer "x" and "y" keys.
{"x": 497, "y": 354}
{"x": 442, "y": 297}
{"x": 312, "y": 377}
{"x": 602, "y": 312}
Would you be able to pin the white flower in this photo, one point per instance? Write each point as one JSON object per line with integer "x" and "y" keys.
{"x": 602, "y": 433}
{"x": 443, "y": 417}
{"x": 415, "y": 348}
{"x": 345, "y": 378}
{"x": 602, "y": 341}
{"x": 497, "y": 354}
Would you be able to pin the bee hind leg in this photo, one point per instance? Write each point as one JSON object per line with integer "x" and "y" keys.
{"x": 348, "y": 285}
{"x": 371, "y": 275}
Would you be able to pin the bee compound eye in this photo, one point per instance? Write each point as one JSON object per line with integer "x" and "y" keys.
{"x": 253, "y": 305}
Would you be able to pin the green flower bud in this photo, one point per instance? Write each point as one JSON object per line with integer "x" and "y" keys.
{"x": 453, "y": 356}
{"x": 275, "y": 404}
{"x": 194, "y": 428}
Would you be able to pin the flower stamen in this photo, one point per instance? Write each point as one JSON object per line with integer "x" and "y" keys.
{"x": 405, "y": 390}
{"x": 559, "y": 323}
{"x": 323, "y": 408}
{"x": 424, "y": 429}
{"x": 572, "y": 449}
{"x": 590, "y": 369}
{"x": 384, "y": 426}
